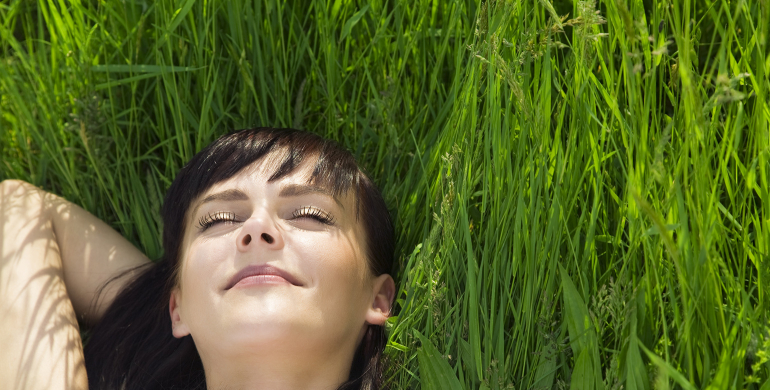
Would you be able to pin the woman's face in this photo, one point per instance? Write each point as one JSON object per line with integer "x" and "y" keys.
{"x": 276, "y": 265}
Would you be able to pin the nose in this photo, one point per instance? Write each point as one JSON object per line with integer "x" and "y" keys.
{"x": 259, "y": 231}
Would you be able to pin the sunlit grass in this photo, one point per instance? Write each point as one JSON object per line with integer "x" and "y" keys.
{"x": 580, "y": 189}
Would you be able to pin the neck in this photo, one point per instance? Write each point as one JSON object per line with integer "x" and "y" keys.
{"x": 277, "y": 369}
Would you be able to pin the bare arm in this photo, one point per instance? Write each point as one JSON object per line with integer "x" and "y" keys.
{"x": 54, "y": 256}
{"x": 92, "y": 253}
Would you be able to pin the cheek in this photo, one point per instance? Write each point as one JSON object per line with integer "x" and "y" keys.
{"x": 337, "y": 267}
{"x": 205, "y": 254}
{"x": 200, "y": 262}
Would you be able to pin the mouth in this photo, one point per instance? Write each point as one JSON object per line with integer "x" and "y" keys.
{"x": 262, "y": 274}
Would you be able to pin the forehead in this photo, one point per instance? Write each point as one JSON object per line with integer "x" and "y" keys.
{"x": 299, "y": 181}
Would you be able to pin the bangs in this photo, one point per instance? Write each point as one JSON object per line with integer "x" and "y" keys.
{"x": 335, "y": 169}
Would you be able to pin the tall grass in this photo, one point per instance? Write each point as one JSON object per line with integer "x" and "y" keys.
{"x": 580, "y": 189}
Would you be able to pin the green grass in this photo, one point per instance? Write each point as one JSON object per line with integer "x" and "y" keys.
{"x": 580, "y": 202}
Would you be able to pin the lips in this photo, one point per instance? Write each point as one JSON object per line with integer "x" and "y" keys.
{"x": 262, "y": 269}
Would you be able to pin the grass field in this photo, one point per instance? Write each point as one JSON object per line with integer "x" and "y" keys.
{"x": 580, "y": 189}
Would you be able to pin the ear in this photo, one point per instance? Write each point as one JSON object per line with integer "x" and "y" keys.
{"x": 178, "y": 327}
{"x": 383, "y": 289}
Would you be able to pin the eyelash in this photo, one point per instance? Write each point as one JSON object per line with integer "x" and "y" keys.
{"x": 207, "y": 221}
{"x": 319, "y": 215}
{"x": 314, "y": 213}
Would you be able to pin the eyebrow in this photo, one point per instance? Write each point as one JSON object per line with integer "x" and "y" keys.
{"x": 227, "y": 195}
{"x": 291, "y": 190}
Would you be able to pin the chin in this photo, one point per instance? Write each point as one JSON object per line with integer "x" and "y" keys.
{"x": 266, "y": 321}
{"x": 260, "y": 319}
{"x": 264, "y": 336}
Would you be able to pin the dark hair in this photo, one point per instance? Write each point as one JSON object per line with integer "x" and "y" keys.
{"x": 132, "y": 346}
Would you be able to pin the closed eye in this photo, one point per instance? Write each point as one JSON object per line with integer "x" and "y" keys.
{"x": 212, "y": 219}
{"x": 314, "y": 213}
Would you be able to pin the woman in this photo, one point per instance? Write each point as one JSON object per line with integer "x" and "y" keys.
{"x": 275, "y": 276}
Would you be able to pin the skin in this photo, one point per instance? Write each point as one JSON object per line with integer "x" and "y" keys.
{"x": 54, "y": 256}
{"x": 273, "y": 334}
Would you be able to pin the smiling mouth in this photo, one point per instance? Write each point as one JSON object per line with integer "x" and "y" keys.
{"x": 262, "y": 274}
